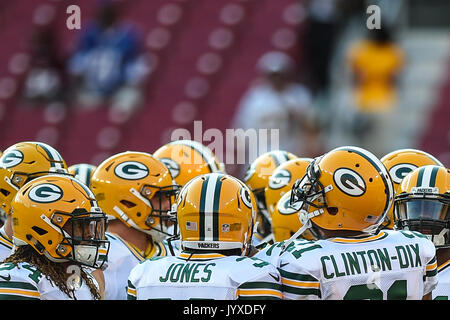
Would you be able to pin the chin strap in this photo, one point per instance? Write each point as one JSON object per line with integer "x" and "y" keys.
{"x": 295, "y": 236}
{"x": 305, "y": 219}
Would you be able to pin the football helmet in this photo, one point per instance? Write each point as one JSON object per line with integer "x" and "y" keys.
{"x": 257, "y": 179}
{"x": 59, "y": 217}
{"x": 348, "y": 188}
{"x": 399, "y": 163}
{"x": 82, "y": 172}
{"x": 422, "y": 203}
{"x": 23, "y": 162}
{"x": 282, "y": 180}
{"x": 136, "y": 188}
{"x": 187, "y": 159}
{"x": 215, "y": 211}
{"x": 285, "y": 221}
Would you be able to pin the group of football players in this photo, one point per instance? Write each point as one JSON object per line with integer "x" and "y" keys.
{"x": 174, "y": 225}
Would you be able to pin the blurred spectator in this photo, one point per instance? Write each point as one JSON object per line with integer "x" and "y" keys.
{"x": 319, "y": 39}
{"x": 275, "y": 101}
{"x": 45, "y": 80}
{"x": 375, "y": 63}
{"x": 108, "y": 64}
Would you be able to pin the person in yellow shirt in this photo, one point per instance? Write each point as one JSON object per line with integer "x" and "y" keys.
{"x": 375, "y": 64}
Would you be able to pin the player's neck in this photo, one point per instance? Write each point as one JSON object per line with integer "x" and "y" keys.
{"x": 328, "y": 234}
{"x": 7, "y": 227}
{"x": 137, "y": 238}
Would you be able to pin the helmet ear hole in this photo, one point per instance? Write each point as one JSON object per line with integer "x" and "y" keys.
{"x": 333, "y": 210}
{"x": 127, "y": 203}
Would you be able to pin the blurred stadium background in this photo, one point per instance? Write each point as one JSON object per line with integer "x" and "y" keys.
{"x": 194, "y": 60}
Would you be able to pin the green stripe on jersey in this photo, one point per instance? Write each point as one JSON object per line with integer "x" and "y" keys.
{"x": 18, "y": 285}
{"x": 297, "y": 276}
{"x": 301, "y": 291}
{"x": 16, "y": 297}
{"x": 260, "y": 285}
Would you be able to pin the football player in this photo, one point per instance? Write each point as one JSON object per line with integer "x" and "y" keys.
{"x": 135, "y": 190}
{"x": 422, "y": 205}
{"x": 19, "y": 164}
{"x": 216, "y": 215}
{"x": 257, "y": 179}
{"x": 282, "y": 180}
{"x": 399, "y": 163}
{"x": 344, "y": 197}
{"x": 187, "y": 159}
{"x": 58, "y": 238}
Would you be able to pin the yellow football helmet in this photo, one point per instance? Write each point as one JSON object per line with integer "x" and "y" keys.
{"x": 59, "y": 217}
{"x": 348, "y": 188}
{"x": 187, "y": 159}
{"x": 82, "y": 172}
{"x": 399, "y": 163}
{"x": 422, "y": 203}
{"x": 257, "y": 179}
{"x": 136, "y": 188}
{"x": 23, "y": 162}
{"x": 215, "y": 212}
{"x": 282, "y": 180}
{"x": 285, "y": 221}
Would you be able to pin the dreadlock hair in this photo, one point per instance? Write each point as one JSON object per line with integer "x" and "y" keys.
{"x": 56, "y": 273}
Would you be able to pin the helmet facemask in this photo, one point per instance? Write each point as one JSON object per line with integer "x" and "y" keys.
{"x": 307, "y": 193}
{"x": 84, "y": 233}
{"x": 159, "y": 219}
{"x": 427, "y": 213}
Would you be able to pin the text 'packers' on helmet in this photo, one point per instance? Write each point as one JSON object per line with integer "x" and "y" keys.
{"x": 348, "y": 188}
{"x": 285, "y": 221}
{"x": 82, "y": 172}
{"x": 136, "y": 188}
{"x": 399, "y": 163}
{"x": 23, "y": 162}
{"x": 422, "y": 203}
{"x": 187, "y": 159}
{"x": 215, "y": 212}
{"x": 59, "y": 217}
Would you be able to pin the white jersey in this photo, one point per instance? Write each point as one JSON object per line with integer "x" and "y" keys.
{"x": 388, "y": 265}
{"x": 26, "y": 282}
{"x": 204, "y": 276}
{"x": 6, "y": 245}
{"x": 442, "y": 291}
{"x": 122, "y": 257}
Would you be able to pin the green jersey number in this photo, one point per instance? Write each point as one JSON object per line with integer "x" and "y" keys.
{"x": 397, "y": 291}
